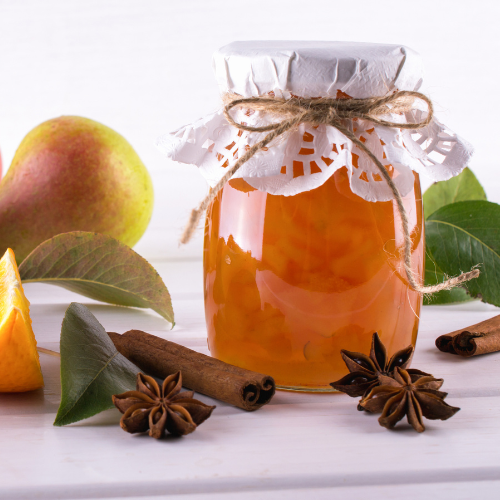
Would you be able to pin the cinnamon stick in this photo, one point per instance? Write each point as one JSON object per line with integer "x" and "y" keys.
{"x": 481, "y": 338}
{"x": 242, "y": 388}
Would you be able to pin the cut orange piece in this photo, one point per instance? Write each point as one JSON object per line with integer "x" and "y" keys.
{"x": 19, "y": 364}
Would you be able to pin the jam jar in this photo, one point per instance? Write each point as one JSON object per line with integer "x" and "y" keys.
{"x": 291, "y": 280}
{"x": 303, "y": 246}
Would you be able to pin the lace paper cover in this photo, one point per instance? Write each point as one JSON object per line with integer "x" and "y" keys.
{"x": 306, "y": 157}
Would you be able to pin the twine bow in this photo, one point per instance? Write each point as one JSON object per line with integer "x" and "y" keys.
{"x": 334, "y": 113}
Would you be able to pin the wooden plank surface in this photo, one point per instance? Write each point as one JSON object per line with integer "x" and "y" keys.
{"x": 314, "y": 444}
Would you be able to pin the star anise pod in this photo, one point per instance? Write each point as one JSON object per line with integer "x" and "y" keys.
{"x": 400, "y": 396}
{"x": 160, "y": 408}
{"x": 365, "y": 370}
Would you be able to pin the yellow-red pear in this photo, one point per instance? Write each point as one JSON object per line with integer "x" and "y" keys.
{"x": 73, "y": 174}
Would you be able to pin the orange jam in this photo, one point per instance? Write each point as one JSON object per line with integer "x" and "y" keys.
{"x": 290, "y": 281}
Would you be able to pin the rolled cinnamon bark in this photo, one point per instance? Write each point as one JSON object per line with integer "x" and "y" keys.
{"x": 242, "y": 388}
{"x": 481, "y": 338}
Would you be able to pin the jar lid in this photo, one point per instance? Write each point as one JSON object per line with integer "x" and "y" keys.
{"x": 308, "y": 155}
{"x": 316, "y": 69}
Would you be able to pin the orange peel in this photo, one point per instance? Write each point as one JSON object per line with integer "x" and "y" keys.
{"x": 19, "y": 363}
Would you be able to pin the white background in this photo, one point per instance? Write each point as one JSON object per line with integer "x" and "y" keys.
{"x": 144, "y": 68}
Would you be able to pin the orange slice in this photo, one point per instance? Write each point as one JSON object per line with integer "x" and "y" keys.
{"x": 19, "y": 364}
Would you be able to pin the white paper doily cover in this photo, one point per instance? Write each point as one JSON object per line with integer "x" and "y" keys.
{"x": 307, "y": 157}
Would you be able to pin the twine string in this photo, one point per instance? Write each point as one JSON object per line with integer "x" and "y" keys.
{"x": 334, "y": 113}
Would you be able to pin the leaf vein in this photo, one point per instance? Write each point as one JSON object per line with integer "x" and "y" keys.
{"x": 89, "y": 384}
{"x": 468, "y": 234}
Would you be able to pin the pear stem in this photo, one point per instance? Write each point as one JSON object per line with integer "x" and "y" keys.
{"x": 48, "y": 351}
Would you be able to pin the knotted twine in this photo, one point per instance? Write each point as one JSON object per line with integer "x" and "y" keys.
{"x": 333, "y": 113}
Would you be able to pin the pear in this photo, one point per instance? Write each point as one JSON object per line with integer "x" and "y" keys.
{"x": 73, "y": 174}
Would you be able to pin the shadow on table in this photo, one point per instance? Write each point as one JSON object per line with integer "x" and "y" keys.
{"x": 32, "y": 402}
{"x": 47, "y": 319}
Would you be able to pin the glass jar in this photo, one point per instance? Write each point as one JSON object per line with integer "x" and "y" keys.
{"x": 289, "y": 281}
{"x": 303, "y": 252}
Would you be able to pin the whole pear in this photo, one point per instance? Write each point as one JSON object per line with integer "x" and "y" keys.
{"x": 69, "y": 174}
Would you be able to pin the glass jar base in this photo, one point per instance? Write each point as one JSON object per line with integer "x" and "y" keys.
{"x": 306, "y": 389}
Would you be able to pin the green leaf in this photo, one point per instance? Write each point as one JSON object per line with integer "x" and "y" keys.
{"x": 465, "y": 234}
{"x": 434, "y": 275}
{"x": 92, "y": 370}
{"x": 99, "y": 267}
{"x": 463, "y": 187}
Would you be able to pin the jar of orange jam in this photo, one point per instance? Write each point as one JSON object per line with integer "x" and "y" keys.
{"x": 303, "y": 247}
{"x": 292, "y": 280}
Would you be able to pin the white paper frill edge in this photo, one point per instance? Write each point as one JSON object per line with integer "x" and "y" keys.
{"x": 306, "y": 157}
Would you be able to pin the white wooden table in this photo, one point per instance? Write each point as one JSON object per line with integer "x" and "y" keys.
{"x": 316, "y": 446}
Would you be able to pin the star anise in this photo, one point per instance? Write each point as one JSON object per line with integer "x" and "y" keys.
{"x": 400, "y": 396}
{"x": 364, "y": 370}
{"x": 160, "y": 408}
